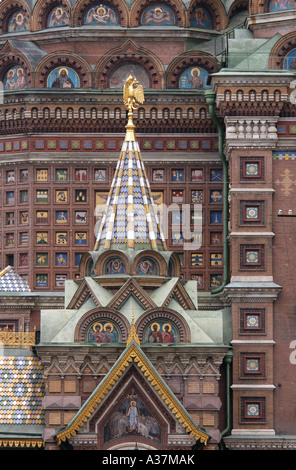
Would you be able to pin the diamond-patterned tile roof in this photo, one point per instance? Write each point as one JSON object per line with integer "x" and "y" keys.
{"x": 10, "y": 281}
{"x": 130, "y": 219}
{"x": 21, "y": 391}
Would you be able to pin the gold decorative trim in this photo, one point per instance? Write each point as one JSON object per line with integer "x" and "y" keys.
{"x": 133, "y": 354}
{"x": 18, "y": 339}
{"x": 21, "y": 443}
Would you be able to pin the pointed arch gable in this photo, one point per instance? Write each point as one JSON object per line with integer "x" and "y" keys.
{"x": 129, "y": 52}
{"x": 132, "y": 358}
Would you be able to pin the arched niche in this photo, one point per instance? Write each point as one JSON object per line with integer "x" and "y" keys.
{"x": 191, "y": 70}
{"x": 15, "y": 17}
{"x": 138, "y": 57}
{"x": 149, "y": 263}
{"x": 162, "y": 326}
{"x": 51, "y": 14}
{"x": 94, "y": 13}
{"x": 61, "y": 70}
{"x": 208, "y": 14}
{"x": 102, "y": 326}
{"x": 158, "y": 13}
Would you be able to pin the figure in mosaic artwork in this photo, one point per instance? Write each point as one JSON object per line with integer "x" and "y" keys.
{"x": 58, "y": 17}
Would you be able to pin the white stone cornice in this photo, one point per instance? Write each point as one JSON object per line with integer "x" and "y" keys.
{"x": 259, "y": 132}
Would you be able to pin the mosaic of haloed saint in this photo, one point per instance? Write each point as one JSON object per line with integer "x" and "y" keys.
{"x": 161, "y": 331}
{"x": 119, "y": 76}
{"x": 19, "y": 21}
{"x": 200, "y": 18}
{"x": 58, "y": 17}
{"x": 132, "y": 418}
{"x": 101, "y": 15}
{"x": 194, "y": 77}
{"x": 63, "y": 77}
{"x": 158, "y": 15}
{"x": 16, "y": 79}
{"x": 103, "y": 331}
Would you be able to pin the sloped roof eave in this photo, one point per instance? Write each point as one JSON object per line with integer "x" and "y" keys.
{"x": 133, "y": 353}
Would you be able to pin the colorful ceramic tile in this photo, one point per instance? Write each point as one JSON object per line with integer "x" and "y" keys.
{"x": 24, "y": 217}
{"x": 42, "y": 259}
{"x": 80, "y": 238}
{"x": 80, "y": 195}
{"x": 216, "y": 196}
{"x": 216, "y": 175}
{"x": 61, "y": 196}
{"x": 252, "y": 212}
{"x": 10, "y": 239}
{"x": 61, "y": 259}
{"x": 197, "y": 196}
{"x": 252, "y": 256}
{"x": 198, "y": 278}
{"x": 177, "y": 175}
{"x": 77, "y": 258}
{"x": 216, "y": 280}
{"x": 252, "y": 409}
{"x": 177, "y": 195}
{"x": 51, "y": 144}
{"x": 177, "y": 238}
{"x": 10, "y": 197}
{"x": 42, "y": 174}
{"x": 24, "y": 197}
{"x": 252, "y": 169}
{"x": 196, "y": 259}
{"x": 80, "y": 174}
{"x": 24, "y": 238}
{"x": 42, "y": 280}
{"x": 197, "y": 175}
{"x": 252, "y": 365}
{"x": 252, "y": 321}
{"x": 23, "y": 260}
{"x": 100, "y": 175}
{"x": 158, "y": 175}
{"x": 80, "y": 217}
{"x": 42, "y": 238}
{"x": 42, "y": 196}
{"x": 276, "y": 5}
{"x": 61, "y": 217}
{"x": 10, "y": 176}
{"x": 216, "y": 238}
{"x": 216, "y": 259}
{"x": 75, "y": 144}
{"x": 42, "y": 217}
{"x": 61, "y": 238}
{"x": 10, "y": 218}
{"x": 62, "y": 175}
{"x": 216, "y": 217}
{"x": 24, "y": 176}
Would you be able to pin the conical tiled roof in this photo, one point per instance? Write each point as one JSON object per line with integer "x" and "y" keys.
{"x": 130, "y": 219}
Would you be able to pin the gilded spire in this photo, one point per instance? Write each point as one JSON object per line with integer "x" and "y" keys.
{"x": 133, "y": 334}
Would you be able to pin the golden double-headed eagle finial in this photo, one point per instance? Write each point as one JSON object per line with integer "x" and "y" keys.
{"x": 133, "y": 96}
